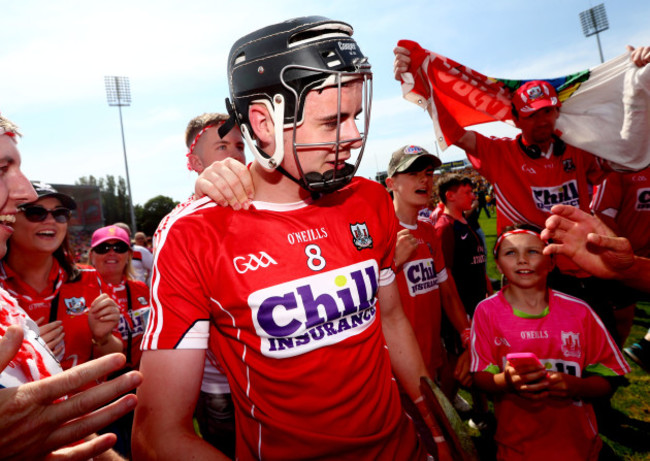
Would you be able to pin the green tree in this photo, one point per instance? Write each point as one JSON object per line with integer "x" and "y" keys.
{"x": 149, "y": 215}
{"x": 115, "y": 199}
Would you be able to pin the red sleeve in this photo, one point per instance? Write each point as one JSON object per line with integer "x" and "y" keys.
{"x": 179, "y": 295}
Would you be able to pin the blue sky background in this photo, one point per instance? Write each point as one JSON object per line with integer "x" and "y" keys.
{"x": 55, "y": 56}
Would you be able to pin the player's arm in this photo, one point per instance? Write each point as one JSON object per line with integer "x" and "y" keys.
{"x": 405, "y": 356}
{"x": 162, "y": 427}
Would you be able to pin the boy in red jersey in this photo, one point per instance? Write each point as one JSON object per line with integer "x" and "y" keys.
{"x": 424, "y": 283}
{"x": 297, "y": 295}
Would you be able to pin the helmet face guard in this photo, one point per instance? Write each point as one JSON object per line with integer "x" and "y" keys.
{"x": 278, "y": 66}
{"x": 333, "y": 179}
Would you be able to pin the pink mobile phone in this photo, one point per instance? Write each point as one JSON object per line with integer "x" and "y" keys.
{"x": 518, "y": 359}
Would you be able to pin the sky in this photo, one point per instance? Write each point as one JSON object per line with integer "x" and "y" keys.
{"x": 55, "y": 56}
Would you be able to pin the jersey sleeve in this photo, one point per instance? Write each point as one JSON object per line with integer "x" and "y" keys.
{"x": 483, "y": 357}
{"x": 603, "y": 358}
{"x": 486, "y": 158}
{"x": 180, "y": 316}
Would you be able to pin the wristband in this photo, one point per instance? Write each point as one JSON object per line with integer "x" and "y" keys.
{"x": 465, "y": 336}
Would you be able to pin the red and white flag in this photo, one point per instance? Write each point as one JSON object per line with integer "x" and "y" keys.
{"x": 605, "y": 110}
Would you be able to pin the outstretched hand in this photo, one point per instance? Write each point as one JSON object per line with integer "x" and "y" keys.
{"x": 33, "y": 426}
{"x": 588, "y": 242}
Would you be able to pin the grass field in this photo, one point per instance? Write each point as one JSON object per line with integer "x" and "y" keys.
{"x": 628, "y": 438}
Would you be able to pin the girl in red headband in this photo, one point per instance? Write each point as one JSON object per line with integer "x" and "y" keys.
{"x": 542, "y": 409}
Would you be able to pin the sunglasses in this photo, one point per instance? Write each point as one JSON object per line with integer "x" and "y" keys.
{"x": 37, "y": 213}
{"x": 119, "y": 247}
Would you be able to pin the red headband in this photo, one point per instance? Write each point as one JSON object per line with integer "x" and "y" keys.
{"x": 513, "y": 232}
{"x": 193, "y": 145}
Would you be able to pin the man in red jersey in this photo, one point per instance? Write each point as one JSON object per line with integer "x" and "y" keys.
{"x": 296, "y": 296}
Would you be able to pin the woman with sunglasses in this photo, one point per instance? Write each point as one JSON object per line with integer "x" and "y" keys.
{"x": 110, "y": 254}
{"x": 76, "y": 319}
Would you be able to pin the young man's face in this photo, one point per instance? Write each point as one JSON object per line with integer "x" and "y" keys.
{"x": 211, "y": 148}
{"x": 521, "y": 260}
{"x": 413, "y": 187}
{"x": 15, "y": 189}
{"x": 462, "y": 198}
{"x": 319, "y": 125}
{"x": 538, "y": 128}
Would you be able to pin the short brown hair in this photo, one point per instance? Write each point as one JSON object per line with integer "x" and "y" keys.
{"x": 452, "y": 182}
{"x": 8, "y": 126}
{"x": 201, "y": 121}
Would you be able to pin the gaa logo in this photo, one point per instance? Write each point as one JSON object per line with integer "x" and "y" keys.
{"x": 252, "y": 262}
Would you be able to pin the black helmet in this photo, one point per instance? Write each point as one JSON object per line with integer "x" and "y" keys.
{"x": 278, "y": 65}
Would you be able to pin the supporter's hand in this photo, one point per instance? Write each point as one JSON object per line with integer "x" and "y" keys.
{"x": 639, "y": 56}
{"x": 402, "y": 61}
{"x": 529, "y": 381}
{"x": 560, "y": 384}
{"x": 227, "y": 182}
{"x": 32, "y": 425}
{"x": 404, "y": 248}
{"x": 103, "y": 317}
{"x": 53, "y": 334}
{"x": 461, "y": 373}
{"x": 588, "y": 242}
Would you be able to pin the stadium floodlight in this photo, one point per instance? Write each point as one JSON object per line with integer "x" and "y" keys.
{"x": 118, "y": 93}
{"x": 594, "y": 21}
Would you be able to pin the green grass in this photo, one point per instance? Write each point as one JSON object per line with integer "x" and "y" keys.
{"x": 629, "y": 440}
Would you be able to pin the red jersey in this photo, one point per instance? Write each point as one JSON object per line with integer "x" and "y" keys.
{"x": 569, "y": 338}
{"x": 133, "y": 298}
{"x": 626, "y": 199}
{"x": 526, "y": 188}
{"x": 284, "y": 295}
{"x": 62, "y": 300}
{"x": 419, "y": 288}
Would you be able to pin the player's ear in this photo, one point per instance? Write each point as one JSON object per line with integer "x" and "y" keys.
{"x": 262, "y": 124}
{"x": 195, "y": 162}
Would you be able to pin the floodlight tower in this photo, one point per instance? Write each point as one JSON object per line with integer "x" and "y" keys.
{"x": 118, "y": 93}
{"x": 594, "y": 21}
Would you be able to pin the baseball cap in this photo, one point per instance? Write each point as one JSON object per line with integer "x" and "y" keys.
{"x": 534, "y": 95}
{"x": 406, "y": 157}
{"x": 109, "y": 233}
{"x": 46, "y": 190}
